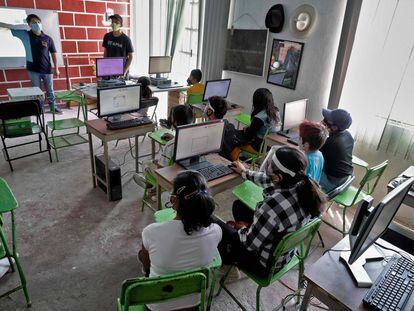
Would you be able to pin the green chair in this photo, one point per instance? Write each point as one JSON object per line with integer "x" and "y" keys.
{"x": 67, "y": 139}
{"x": 254, "y": 157}
{"x": 249, "y": 193}
{"x": 243, "y": 118}
{"x": 301, "y": 239}
{"x": 8, "y": 204}
{"x": 353, "y": 195}
{"x": 195, "y": 99}
{"x": 138, "y": 292}
{"x": 168, "y": 214}
{"x": 359, "y": 162}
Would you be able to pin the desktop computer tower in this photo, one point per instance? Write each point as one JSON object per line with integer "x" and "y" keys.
{"x": 115, "y": 192}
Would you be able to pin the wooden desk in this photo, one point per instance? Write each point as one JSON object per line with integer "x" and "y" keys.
{"x": 329, "y": 281}
{"x": 98, "y": 128}
{"x": 276, "y": 139}
{"x": 166, "y": 175}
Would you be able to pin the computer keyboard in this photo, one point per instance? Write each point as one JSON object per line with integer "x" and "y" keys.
{"x": 393, "y": 287}
{"x": 128, "y": 123}
{"x": 214, "y": 171}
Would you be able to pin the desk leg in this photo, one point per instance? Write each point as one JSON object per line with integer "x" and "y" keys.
{"x": 107, "y": 181}
{"x": 153, "y": 149}
{"x": 92, "y": 159}
{"x": 159, "y": 191}
{"x": 306, "y": 298}
{"x": 136, "y": 155}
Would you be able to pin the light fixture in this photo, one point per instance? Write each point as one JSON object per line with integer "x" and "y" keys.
{"x": 302, "y": 20}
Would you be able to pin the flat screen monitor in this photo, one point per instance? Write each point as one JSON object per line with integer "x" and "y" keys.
{"x": 118, "y": 100}
{"x": 159, "y": 64}
{"x": 198, "y": 139}
{"x": 294, "y": 114}
{"x": 216, "y": 88}
{"x": 370, "y": 223}
{"x": 109, "y": 66}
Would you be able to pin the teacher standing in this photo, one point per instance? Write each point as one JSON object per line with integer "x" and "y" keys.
{"x": 118, "y": 44}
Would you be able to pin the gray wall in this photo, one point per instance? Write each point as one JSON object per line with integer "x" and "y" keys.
{"x": 318, "y": 58}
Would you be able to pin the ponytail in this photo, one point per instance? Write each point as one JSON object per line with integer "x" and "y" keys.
{"x": 311, "y": 198}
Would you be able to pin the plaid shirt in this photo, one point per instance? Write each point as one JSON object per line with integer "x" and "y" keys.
{"x": 278, "y": 214}
{"x": 167, "y": 153}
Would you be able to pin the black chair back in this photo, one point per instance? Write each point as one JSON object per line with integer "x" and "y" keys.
{"x": 341, "y": 188}
{"x": 150, "y": 102}
{"x": 20, "y": 109}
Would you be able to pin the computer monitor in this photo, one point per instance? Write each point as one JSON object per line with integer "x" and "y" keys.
{"x": 109, "y": 66}
{"x": 113, "y": 101}
{"x": 195, "y": 140}
{"x": 294, "y": 113}
{"x": 159, "y": 64}
{"x": 368, "y": 225}
{"x": 216, "y": 88}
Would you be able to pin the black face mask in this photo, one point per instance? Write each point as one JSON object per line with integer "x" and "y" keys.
{"x": 188, "y": 82}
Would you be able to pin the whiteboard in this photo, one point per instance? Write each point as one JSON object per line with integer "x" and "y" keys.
{"x": 12, "y": 52}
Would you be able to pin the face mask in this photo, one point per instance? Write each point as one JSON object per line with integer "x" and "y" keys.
{"x": 36, "y": 27}
{"x": 115, "y": 26}
{"x": 188, "y": 82}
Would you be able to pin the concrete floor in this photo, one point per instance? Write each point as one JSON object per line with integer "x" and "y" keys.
{"x": 76, "y": 248}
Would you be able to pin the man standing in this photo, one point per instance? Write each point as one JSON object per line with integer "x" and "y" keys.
{"x": 39, "y": 47}
{"x": 118, "y": 44}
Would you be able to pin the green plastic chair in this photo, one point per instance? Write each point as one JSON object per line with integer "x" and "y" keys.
{"x": 193, "y": 99}
{"x": 301, "y": 239}
{"x": 138, "y": 292}
{"x": 8, "y": 204}
{"x": 353, "y": 195}
{"x": 359, "y": 162}
{"x": 249, "y": 193}
{"x": 254, "y": 157}
{"x": 67, "y": 139}
{"x": 157, "y": 135}
{"x": 243, "y": 118}
{"x": 168, "y": 214}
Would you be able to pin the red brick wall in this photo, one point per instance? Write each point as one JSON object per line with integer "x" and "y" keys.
{"x": 81, "y": 32}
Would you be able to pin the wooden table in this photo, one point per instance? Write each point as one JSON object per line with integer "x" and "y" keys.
{"x": 98, "y": 128}
{"x": 166, "y": 175}
{"x": 276, "y": 139}
{"x": 329, "y": 281}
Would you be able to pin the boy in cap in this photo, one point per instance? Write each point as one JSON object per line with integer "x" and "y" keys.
{"x": 118, "y": 44}
{"x": 337, "y": 150}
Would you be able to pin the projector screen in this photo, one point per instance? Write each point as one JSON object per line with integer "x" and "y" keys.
{"x": 12, "y": 51}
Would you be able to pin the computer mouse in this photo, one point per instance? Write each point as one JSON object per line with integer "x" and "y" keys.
{"x": 233, "y": 106}
{"x": 175, "y": 82}
{"x": 231, "y": 165}
{"x": 82, "y": 84}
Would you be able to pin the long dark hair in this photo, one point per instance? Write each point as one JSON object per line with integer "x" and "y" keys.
{"x": 311, "y": 198}
{"x": 145, "y": 90}
{"x": 263, "y": 99}
{"x": 195, "y": 205}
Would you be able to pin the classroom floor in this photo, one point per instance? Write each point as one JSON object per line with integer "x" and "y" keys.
{"x": 76, "y": 247}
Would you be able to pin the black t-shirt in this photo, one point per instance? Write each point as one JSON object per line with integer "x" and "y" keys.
{"x": 337, "y": 152}
{"x": 232, "y": 138}
{"x": 41, "y": 47}
{"x": 117, "y": 46}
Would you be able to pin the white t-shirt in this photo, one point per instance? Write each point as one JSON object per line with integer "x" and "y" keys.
{"x": 172, "y": 250}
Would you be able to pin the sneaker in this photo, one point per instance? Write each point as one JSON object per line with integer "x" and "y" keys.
{"x": 57, "y": 110}
{"x": 165, "y": 123}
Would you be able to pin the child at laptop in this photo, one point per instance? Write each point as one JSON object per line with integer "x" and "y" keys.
{"x": 264, "y": 117}
{"x": 180, "y": 115}
{"x": 313, "y": 136}
{"x": 196, "y": 87}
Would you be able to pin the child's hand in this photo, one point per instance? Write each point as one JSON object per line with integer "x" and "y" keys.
{"x": 167, "y": 136}
{"x": 241, "y": 224}
{"x": 237, "y": 167}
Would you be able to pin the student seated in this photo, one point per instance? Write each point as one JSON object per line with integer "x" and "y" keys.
{"x": 216, "y": 110}
{"x": 146, "y": 92}
{"x": 337, "y": 150}
{"x": 181, "y": 115}
{"x": 189, "y": 241}
{"x": 291, "y": 199}
{"x": 196, "y": 87}
{"x": 313, "y": 136}
{"x": 265, "y": 116}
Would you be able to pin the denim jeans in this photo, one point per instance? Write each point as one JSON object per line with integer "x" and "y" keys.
{"x": 36, "y": 79}
{"x": 328, "y": 183}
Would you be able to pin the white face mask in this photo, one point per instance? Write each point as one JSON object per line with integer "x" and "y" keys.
{"x": 36, "y": 27}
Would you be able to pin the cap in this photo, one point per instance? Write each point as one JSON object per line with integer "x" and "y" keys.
{"x": 340, "y": 117}
{"x": 117, "y": 16}
{"x": 275, "y": 18}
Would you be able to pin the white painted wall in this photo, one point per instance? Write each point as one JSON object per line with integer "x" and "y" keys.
{"x": 318, "y": 58}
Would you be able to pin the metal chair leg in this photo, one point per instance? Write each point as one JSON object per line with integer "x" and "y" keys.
{"x": 259, "y": 288}
{"x": 320, "y": 239}
{"x": 7, "y": 153}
